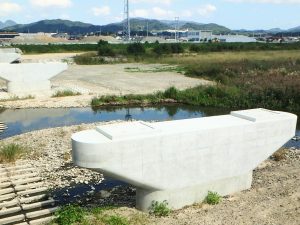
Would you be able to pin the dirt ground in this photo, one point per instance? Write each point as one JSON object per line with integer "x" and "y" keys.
{"x": 91, "y": 81}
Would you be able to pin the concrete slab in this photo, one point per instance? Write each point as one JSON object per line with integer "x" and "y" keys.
{"x": 180, "y": 161}
{"x": 31, "y": 78}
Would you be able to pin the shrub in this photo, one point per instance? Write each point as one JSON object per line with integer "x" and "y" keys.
{"x": 105, "y": 49}
{"x": 213, "y": 198}
{"x": 172, "y": 93}
{"x": 160, "y": 209}
{"x": 11, "y": 152}
{"x": 65, "y": 93}
{"x": 136, "y": 49}
{"x": 69, "y": 215}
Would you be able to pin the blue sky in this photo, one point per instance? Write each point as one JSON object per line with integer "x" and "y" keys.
{"x": 235, "y": 14}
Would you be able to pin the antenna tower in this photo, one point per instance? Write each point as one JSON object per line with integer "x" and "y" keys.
{"x": 126, "y": 25}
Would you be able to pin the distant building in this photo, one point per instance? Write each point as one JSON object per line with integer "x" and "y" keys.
{"x": 199, "y": 35}
{"x": 187, "y": 35}
{"x": 7, "y": 36}
{"x": 234, "y": 38}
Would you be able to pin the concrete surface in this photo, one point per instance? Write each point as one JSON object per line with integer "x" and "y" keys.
{"x": 9, "y": 55}
{"x": 180, "y": 161}
{"x": 29, "y": 78}
{"x": 116, "y": 79}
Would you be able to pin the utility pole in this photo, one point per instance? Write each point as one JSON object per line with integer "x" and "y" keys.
{"x": 176, "y": 27}
{"x": 126, "y": 25}
{"x": 147, "y": 28}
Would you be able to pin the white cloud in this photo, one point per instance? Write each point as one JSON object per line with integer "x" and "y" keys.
{"x": 206, "y": 10}
{"x": 166, "y": 2}
{"x": 7, "y": 8}
{"x": 140, "y": 13}
{"x": 162, "y": 13}
{"x": 101, "y": 11}
{"x": 51, "y": 3}
{"x": 267, "y": 1}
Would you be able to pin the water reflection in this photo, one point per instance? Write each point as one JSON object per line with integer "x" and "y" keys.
{"x": 26, "y": 120}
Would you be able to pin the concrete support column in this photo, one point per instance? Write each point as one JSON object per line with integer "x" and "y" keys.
{"x": 28, "y": 88}
{"x": 187, "y": 196}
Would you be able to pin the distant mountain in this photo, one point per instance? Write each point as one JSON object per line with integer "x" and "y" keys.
{"x": 181, "y": 23}
{"x": 137, "y": 24}
{"x": 53, "y": 26}
{"x": 211, "y": 26}
{"x": 295, "y": 29}
{"x": 140, "y": 24}
{"x": 275, "y": 30}
{"x": 7, "y": 23}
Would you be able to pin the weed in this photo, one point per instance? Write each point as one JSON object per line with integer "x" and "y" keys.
{"x": 11, "y": 152}
{"x": 16, "y": 98}
{"x": 139, "y": 219}
{"x": 280, "y": 154}
{"x": 115, "y": 220}
{"x": 213, "y": 198}
{"x": 69, "y": 215}
{"x": 67, "y": 156}
{"x": 65, "y": 93}
{"x": 160, "y": 209}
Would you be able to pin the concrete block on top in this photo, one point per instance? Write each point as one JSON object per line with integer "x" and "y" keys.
{"x": 9, "y": 55}
{"x": 180, "y": 161}
{"x": 30, "y": 78}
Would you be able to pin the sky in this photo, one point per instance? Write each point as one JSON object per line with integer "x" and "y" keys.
{"x": 234, "y": 14}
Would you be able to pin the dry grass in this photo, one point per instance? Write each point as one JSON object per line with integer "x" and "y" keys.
{"x": 280, "y": 154}
{"x": 11, "y": 153}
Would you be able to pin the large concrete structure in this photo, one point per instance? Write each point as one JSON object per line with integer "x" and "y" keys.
{"x": 29, "y": 78}
{"x": 180, "y": 161}
{"x": 9, "y": 55}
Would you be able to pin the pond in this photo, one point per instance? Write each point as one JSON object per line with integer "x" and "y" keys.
{"x": 20, "y": 121}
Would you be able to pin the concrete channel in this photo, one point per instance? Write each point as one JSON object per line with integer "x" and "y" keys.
{"x": 23, "y": 197}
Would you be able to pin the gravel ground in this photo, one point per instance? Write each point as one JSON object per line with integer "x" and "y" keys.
{"x": 273, "y": 199}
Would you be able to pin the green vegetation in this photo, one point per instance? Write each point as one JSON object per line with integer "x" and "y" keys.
{"x": 69, "y": 215}
{"x": 105, "y": 49}
{"x": 269, "y": 79}
{"x": 183, "y": 47}
{"x": 160, "y": 209}
{"x": 115, "y": 220}
{"x": 72, "y": 214}
{"x": 65, "y": 93}
{"x": 158, "y": 69}
{"x": 11, "y": 152}
{"x": 213, "y": 198}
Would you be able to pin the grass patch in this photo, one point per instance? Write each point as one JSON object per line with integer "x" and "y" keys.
{"x": 69, "y": 215}
{"x": 160, "y": 209}
{"x": 16, "y": 98}
{"x": 158, "y": 69}
{"x": 213, "y": 198}
{"x": 65, "y": 93}
{"x": 11, "y": 153}
{"x": 115, "y": 220}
